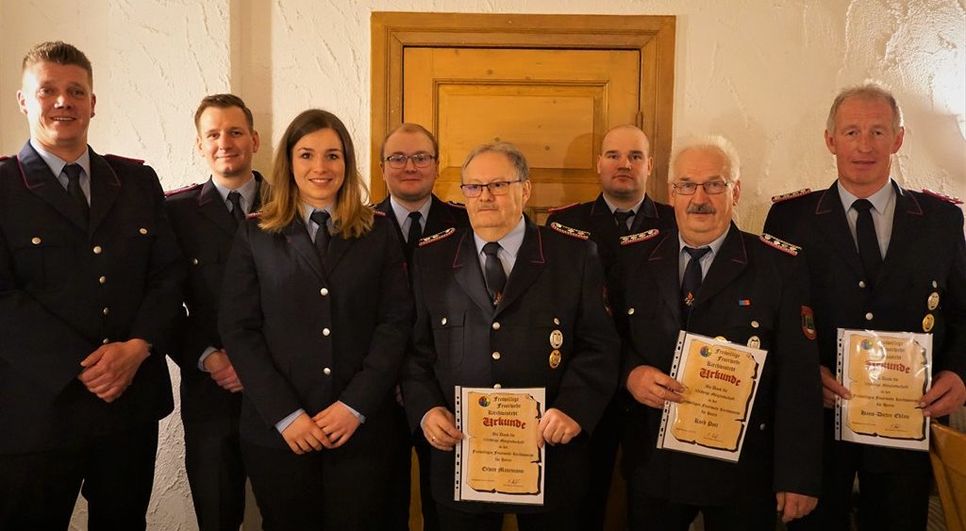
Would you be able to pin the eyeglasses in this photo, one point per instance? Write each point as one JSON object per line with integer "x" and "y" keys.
{"x": 420, "y": 160}
{"x": 710, "y": 187}
{"x": 495, "y": 188}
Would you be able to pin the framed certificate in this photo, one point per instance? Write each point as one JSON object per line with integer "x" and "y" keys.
{"x": 499, "y": 459}
{"x": 887, "y": 373}
{"x": 720, "y": 381}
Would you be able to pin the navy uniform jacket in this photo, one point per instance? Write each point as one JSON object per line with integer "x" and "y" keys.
{"x": 205, "y": 230}
{"x": 65, "y": 288}
{"x": 751, "y": 289}
{"x": 556, "y": 284}
{"x": 304, "y": 336}
{"x": 926, "y": 255}
{"x": 442, "y": 215}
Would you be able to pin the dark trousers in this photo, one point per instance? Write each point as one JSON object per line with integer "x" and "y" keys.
{"x": 653, "y": 514}
{"x": 216, "y": 472}
{"x": 888, "y": 501}
{"x": 114, "y": 473}
{"x": 558, "y": 519}
{"x": 334, "y": 490}
{"x": 603, "y": 453}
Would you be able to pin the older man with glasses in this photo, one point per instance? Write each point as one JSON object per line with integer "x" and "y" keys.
{"x": 509, "y": 304}
{"x": 710, "y": 278}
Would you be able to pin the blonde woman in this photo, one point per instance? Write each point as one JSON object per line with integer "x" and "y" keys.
{"x": 315, "y": 316}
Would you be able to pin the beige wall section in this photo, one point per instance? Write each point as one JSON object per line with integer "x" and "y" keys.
{"x": 762, "y": 73}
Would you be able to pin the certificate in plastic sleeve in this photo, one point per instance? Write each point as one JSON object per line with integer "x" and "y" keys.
{"x": 886, "y": 373}
{"x": 499, "y": 459}
{"x": 720, "y": 381}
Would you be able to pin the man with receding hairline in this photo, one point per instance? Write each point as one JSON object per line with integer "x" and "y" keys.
{"x": 880, "y": 257}
{"x": 90, "y": 278}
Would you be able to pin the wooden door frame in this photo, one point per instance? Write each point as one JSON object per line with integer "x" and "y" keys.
{"x": 653, "y": 36}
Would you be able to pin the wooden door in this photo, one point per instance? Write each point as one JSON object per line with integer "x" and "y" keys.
{"x": 555, "y": 105}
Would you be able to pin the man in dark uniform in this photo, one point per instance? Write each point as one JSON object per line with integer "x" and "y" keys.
{"x": 879, "y": 257}
{"x": 710, "y": 278}
{"x": 410, "y": 167}
{"x": 488, "y": 298}
{"x": 622, "y": 208}
{"x": 90, "y": 278}
{"x": 205, "y": 219}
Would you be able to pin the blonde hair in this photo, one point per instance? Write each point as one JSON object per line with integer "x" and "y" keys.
{"x": 350, "y": 217}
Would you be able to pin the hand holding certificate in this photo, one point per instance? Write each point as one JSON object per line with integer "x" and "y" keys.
{"x": 887, "y": 374}
{"x": 720, "y": 380}
{"x": 500, "y": 458}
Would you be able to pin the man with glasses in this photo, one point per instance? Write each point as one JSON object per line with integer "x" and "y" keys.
{"x": 410, "y": 167}
{"x": 710, "y": 278}
{"x": 622, "y": 208}
{"x": 880, "y": 257}
{"x": 508, "y": 304}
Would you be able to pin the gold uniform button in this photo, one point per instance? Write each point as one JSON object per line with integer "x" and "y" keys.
{"x": 326, "y": 371}
{"x": 496, "y": 325}
{"x": 106, "y": 310}
{"x": 497, "y": 386}
{"x": 556, "y": 321}
{"x": 326, "y": 332}
{"x": 35, "y": 240}
{"x": 755, "y": 324}
{"x": 869, "y": 316}
{"x": 102, "y": 279}
{"x": 194, "y": 261}
{"x": 861, "y": 283}
{"x": 442, "y": 321}
{"x": 495, "y": 355}
{"x": 143, "y": 231}
{"x": 324, "y": 292}
{"x": 630, "y": 311}
{"x": 105, "y": 341}
{"x": 97, "y": 249}
{"x": 935, "y": 284}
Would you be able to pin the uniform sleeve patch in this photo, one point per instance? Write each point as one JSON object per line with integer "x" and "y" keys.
{"x": 808, "y": 322}
{"x": 631, "y": 239}
{"x": 790, "y": 195}
{"x": 5, "y": 157}
{"x": 182, "y": 190}
{"x": 780, "y": 244}
{"x": 561, "y": 208}
{"x": 943, "y": 197}
{"x": 125, "y": 159}
{"x": 439, "y": 236}
{"x": 570, "y": 231}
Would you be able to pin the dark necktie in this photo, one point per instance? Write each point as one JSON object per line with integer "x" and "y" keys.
{"x": 493, "y": 272}
{"x": 237, "y": 211}
{"x": 868, "y": 242}
{"x": 621, "y": 217}
{"x": 415, "y": 233}
{"x": 321, "y": 218}
{"x": 691, "y": 282}
{"x": 73, "y": 172}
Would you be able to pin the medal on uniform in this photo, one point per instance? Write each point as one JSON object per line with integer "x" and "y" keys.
{"x": 754, "y": 342}
{"x": 555, "y": 359}
{"x": 927, "y": 322}
{"x": 933, "y": 301}
{"x": 556, "y": 339}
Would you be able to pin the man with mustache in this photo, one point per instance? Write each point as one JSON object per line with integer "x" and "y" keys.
{"x": 90, "y": 278}
{"x": 712, "y": 279}
{"x": 205, "y": 219}
{"x": 622, "y": 207}
{"x": 880, "y": 257}
{"x": 507, "y": 304}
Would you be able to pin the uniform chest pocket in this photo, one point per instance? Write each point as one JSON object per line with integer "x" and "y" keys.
{"x": 448, "y": 335}
{"x": 41, "y": 259}
{"x": 754, "y": 327}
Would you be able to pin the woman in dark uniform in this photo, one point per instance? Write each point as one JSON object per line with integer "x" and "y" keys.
{"x": 315, "y": 316}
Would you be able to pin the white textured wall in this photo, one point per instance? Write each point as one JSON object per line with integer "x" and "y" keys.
{"x": 761, "y": 72}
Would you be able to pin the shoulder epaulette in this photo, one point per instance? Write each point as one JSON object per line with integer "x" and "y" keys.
{"x": 125, "y": 159}
{"x": 943, "y": 197}
{"x": 254, "y": 215}
{"x": 454, "y": 204}
{"x": 182, "y": 190}
{"x": 780, "y": 244}
{"x": 790, "y": 195}
{"x": 378, "y": 212}
{"x": 439, "y": 236}
{"x": 639, "y": 237}
{"x": 570, "y": 231}
{"x": 561, "y": 208}
{"x": 5, "y": 157}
